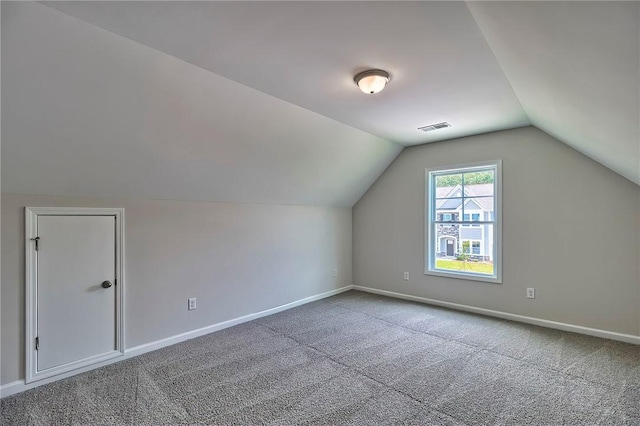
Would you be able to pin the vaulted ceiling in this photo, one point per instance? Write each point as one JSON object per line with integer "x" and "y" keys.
{"x": 255, "y": 101}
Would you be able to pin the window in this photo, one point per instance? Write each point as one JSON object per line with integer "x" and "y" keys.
{"x": 475, "y": 217}
{"x": 471, "y": 197}
{"x": 475, "y": 247}
{"x": 471, "y": 247}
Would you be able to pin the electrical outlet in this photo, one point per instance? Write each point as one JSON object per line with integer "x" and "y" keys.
{"x": 406, "y": 276}
{"x": 531, "y": 293}
{"x": 335, "y": 272}
{"x": 192, "y": 303}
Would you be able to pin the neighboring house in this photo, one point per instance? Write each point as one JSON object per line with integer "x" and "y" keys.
{"x": 475, "y": 206}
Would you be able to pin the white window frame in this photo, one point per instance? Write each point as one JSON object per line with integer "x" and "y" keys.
{"x": 430, "y": 254}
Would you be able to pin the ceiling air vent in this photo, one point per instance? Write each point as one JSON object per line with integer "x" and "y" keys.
{"x": 436, "y": 126}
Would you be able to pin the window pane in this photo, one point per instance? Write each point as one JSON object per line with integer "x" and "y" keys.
{"x": 448, "y": 181}
{"x": 479, "y": 208}
{"x": 449, "y": 193}
{"x": 464, "y": 193}
{"x": 478, "y": 178}
{"x": 468, "y": 250}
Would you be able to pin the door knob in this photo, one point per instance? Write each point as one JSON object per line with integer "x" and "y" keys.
{"x": 106, "y": 284}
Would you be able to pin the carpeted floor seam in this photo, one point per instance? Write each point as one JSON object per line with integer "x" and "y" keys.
{"x": 358, "y": 359}
{"x": 407, "y": 328}
{"x": 360, "y": 372}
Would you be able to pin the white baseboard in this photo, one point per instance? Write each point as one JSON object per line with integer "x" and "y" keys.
{"x": 152, "y": 346}
{"x": 20, "y": 385}
{"x": 628, "y": 338}
{"x": 13, "y": 388}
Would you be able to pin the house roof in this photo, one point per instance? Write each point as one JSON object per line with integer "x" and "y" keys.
{"x": 255, "y": 101}
{"x": 483, "y": 191}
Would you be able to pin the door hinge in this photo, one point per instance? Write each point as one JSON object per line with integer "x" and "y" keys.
{"x": 37, "y": 343}
{"x": 37, "y": 240}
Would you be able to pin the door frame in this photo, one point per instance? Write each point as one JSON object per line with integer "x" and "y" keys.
{"x": 31, "y": 280}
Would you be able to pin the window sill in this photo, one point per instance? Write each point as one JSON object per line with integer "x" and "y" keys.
{"x": 465, "y": 276}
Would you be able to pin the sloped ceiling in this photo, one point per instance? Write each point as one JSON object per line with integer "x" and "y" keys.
{"x": 307, "y": 53}
{"x": 255, "y": 101}
{"x": 575, "y": 67}
{"x": 89, "y": 113}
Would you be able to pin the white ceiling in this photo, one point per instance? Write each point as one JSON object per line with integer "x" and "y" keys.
{"x": 255, "y": 101}
{"x": 307, "y": 53}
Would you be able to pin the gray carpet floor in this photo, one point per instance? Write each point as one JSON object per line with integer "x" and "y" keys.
{"x": 355, "y": 358}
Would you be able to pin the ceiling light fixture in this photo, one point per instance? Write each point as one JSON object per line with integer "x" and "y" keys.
{"x": 372, "y": 81}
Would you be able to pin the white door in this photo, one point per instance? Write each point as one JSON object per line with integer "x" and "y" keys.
{"x": 74, "y": 291}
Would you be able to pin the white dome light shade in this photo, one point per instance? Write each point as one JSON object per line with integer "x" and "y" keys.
{"x": 372, "y": 81}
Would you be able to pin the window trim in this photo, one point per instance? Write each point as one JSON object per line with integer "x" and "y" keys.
{"x": 429, "y": 218}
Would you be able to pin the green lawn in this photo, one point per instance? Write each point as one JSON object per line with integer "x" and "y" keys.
{"x": 469, "y": 266}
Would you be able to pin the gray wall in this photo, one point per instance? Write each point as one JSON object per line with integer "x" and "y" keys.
{"x": 236, "y": 259}
{"x": 570, "y": 230}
